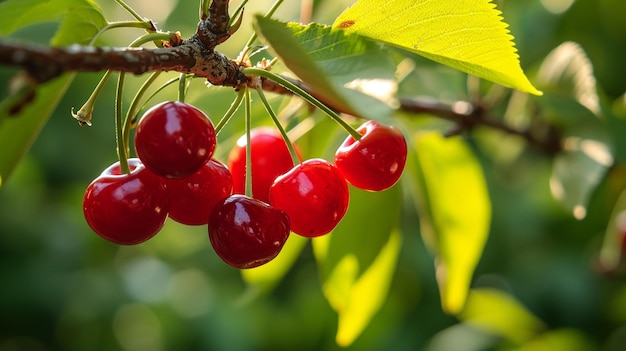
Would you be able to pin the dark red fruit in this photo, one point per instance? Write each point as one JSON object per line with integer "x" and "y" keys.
{"x": 174, "y": 139}
{"x": 314, "y": 195}
{"x": 246, "y": 232}
{"x": 193, "y": 198}
{"x": 376, "y": 161}
{"x": 270, "y": 158}
{"x": 126, "y": 209}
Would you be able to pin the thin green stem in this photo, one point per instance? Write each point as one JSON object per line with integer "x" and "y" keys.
{"x": 85, "y": 113}
{"x": 305, "y": 95}
{"x": 248, "y": 116}
{"x": 182, "y": 87}
{"x": 268, "y": 14}
{"x": 204, "y": 9}
{"x": 283, "y": 133}
{"x": 133, "y": 110}
{"x": 130, "y": 10}
{"x": 119, "y": 132}
{"x": 121, "y": 24}
{"x": 235, "y": 14}
{"x": 166, "y": 84}
{"x": 234, "y": 106}
{"x": 155, "y": 37}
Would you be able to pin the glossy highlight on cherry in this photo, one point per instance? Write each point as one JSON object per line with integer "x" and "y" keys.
{"x": 246, "y": 232}
{"x": 126, "y": 209}
{"x": 174, "y": 139}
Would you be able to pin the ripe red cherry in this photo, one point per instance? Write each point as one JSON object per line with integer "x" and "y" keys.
{"x": 376, "y": 161}
{"x": 193, "y": 198}
{"x": 174, "y": 139}
{"x": 270, "y": 158}
{"x": 314, "y": 195}
{"x": 246, "y": 232}
{"x": 126, "y": 209}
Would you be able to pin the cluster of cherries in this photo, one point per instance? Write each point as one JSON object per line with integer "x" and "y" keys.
{"x": 175, "y": 175}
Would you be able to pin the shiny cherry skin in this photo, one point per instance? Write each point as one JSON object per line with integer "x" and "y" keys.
{"x": 174, "y": 139}
{"x": 246, "y": 232}
{"x": 315, "y": 196}
{"x": 376, "y": 161}
{"x": 126, "y": 209}
{"x": 270, "y": 158}
{"x": 193, "y": 198}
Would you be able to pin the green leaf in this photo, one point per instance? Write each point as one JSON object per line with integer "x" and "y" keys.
{"x": 578, "y": 170}
{"x": 340, "y": 68}
{"x": 16, "y": 14}
{"x": 571, "y": 100}
{"x": 455, "y": 210}
{"x": 611, "y": 252}
{"x": 467, "y": 35}
{"x": 80, "y": 20}
{"x": 567, "y": 72}
{"x": 499, "y": 313}
{"x": 357, "y": 260}
{"x": 265, "y": 277}
{"x": 565, "y": 339}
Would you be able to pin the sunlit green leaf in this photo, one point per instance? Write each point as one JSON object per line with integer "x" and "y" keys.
{"x": 336, "y": 66}
{"x": 500, "y": 314}
{"x": 80, "y": 20}
{"x": 357, "y": 260}
{"x": 80, "y": 24}
{"x": 468, "y": 35}
{"x": 265, "y": 277}
{"x": 455, "y": 210}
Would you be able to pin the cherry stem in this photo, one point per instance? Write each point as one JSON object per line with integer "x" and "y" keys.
{"x": 119, "y": 135}
{"x": 305, "y": 95}
{"x": 182, "y": 87}
{"x": 283, "y": 133}
{"x": 268, "y": 14}
{"x": 204, "y": 9}
{"x": 234, "y": 106}
{"x": 84, "y": 114}
{"x": 122, "y": 24}
{"x": 133, "y": 110}
{"x": 156, "y": 37}
{"x": 237, "y": 12}
{"x": 130, "y": 10}
{"x": 248, "y": 115}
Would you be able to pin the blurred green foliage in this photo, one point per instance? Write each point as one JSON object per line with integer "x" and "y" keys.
{"x": 64, "y": 288}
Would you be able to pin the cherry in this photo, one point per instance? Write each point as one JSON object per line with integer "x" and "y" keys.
{"x": 126, "y": 209}
{"x": 174, "y": 139}
{"x": 193, "y": 198}
{"x": 270, "y": 158}
{"x": 246, "y": 232}
{"x": 376, "y": 161}
{"x": 314, "y": 195}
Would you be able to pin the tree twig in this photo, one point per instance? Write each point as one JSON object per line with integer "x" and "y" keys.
{"x": 197, "y": 56}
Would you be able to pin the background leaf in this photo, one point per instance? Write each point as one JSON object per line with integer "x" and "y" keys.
{"x": 571, "y": 101}
{"x": 79, "y": 21}
{"x": 357, "y": 260}
{"x": 455, "y": 211}
{"x": 329, "y": 61}
{"x": 468, "y": 35}
{"x": 264, "y": 278}
{"x": 499, "y": 313}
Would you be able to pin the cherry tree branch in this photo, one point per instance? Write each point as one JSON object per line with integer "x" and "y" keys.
{"x": 197, "y": 56}
{"x": 45, "y": 63}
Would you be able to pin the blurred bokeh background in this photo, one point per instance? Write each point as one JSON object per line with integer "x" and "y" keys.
{"x": 64, "y": 288}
